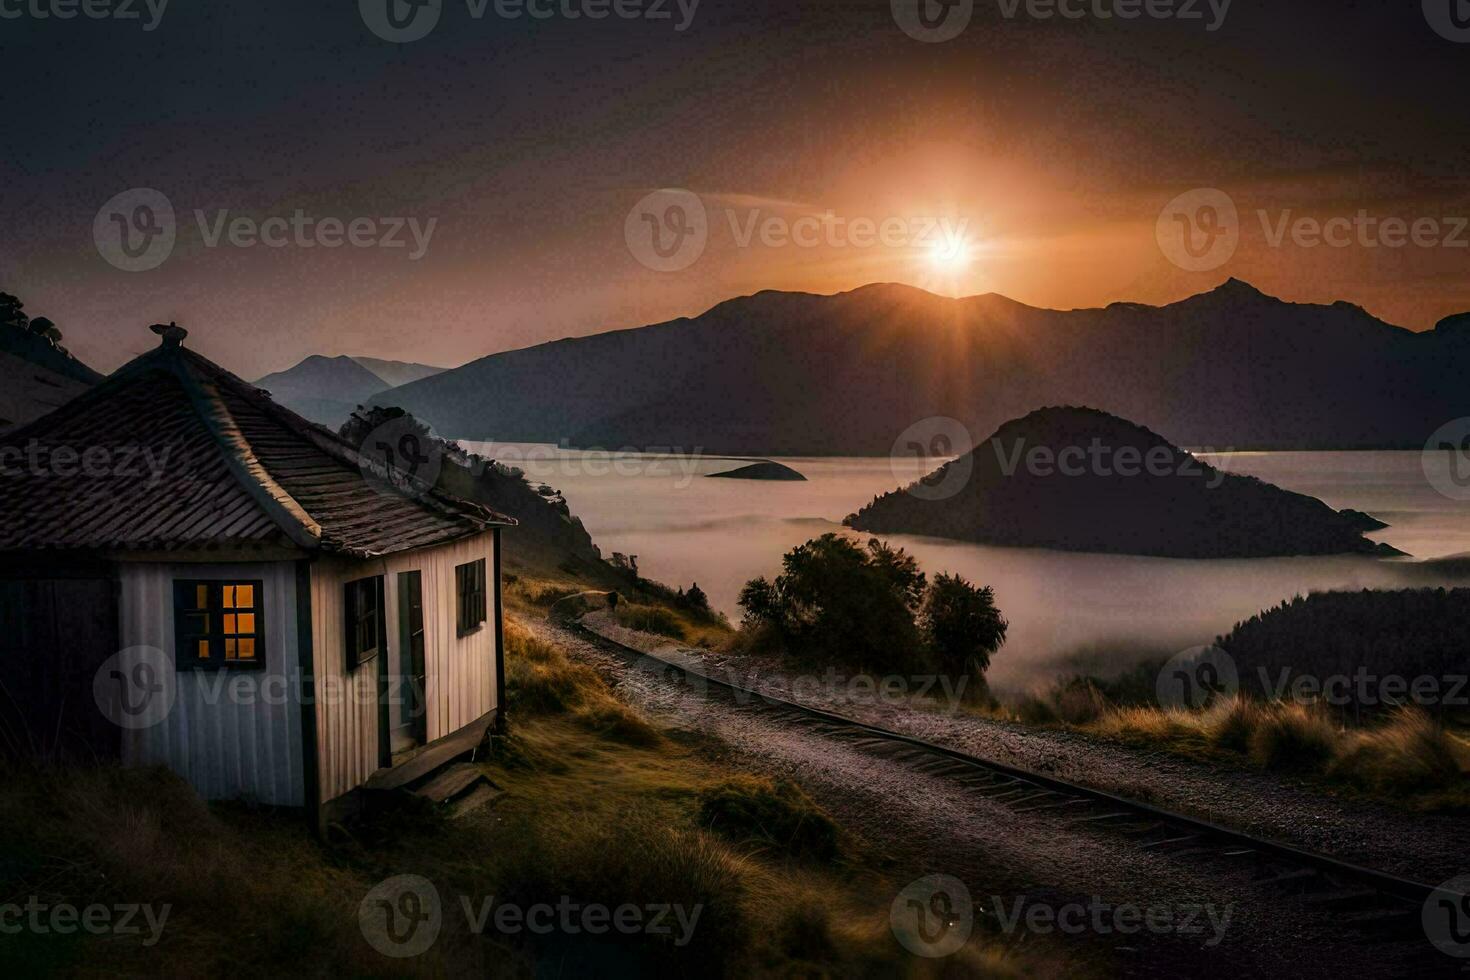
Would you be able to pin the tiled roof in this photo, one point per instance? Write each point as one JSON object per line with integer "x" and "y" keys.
{"x": 173, "y": 452}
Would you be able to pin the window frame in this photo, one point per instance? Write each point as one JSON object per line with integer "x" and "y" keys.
{"x": 354, "y": 617}
{"x": 186, "y": 655}
{"x": 470, "y": 586}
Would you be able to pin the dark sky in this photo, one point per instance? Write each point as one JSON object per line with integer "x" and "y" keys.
{"x": 1052, "y": 145}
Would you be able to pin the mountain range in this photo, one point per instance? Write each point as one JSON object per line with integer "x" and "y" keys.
{"x": 327, "y": 389}
{"x": 782, "y": 373}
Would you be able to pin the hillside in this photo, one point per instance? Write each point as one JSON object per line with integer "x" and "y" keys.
{"x": 798, "y": 374}
{"x": 1077, "y": 479}
{"x": 327, "y": 389}
{"x": 37, "y": 374}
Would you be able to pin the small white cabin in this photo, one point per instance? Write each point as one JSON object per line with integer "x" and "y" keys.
{"x": 195, "y": 577}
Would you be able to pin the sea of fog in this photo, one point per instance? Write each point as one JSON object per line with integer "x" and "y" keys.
{"x": 1067, "y": 611}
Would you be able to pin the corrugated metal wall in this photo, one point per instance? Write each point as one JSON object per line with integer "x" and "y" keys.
{"x": 229, "y": 744}
{"x": 461, "y": 671}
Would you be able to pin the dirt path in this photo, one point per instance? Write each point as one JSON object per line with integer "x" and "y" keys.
{"x": 925, "y": 824}
{"x": 1430, "y": 848}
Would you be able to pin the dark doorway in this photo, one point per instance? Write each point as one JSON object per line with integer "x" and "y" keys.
{"x": 410, "y": 712}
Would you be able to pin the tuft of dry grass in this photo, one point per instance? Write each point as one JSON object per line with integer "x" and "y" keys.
{"x": 1293, "y": 737}
{"x": 542, "y": 680}
{"x": 1408, "y": 754}
{"x": 651, "y": 619}
{"x": 773, "y": 812}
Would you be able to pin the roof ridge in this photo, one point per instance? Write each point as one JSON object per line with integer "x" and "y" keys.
{"x": 240, "y": 456}
{"x": 343, "y": 451}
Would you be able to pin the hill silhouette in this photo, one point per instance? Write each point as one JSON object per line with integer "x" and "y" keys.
{"x": 327, "y": 389}
{"x": 790, "y": 374}
{"x": 1078, "y": 479}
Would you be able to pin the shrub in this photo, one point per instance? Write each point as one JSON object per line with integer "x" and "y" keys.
{"x": 650, "y": 619}
{"x": 962, "y": 623}
{"x": 773, "y": 811}
{"x": 1079, "y": 702}
{"x": 1294, "y": 738}
{"x": 640, "y": 861}
{"x": 1408, "y": 754}
{"x": 1229, "y": 724}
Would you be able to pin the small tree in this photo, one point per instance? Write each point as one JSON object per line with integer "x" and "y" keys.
{"x": 836, "y": 602}
{"x": 962, "y": 623}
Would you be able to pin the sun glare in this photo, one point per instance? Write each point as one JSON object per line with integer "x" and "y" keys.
{"x": 952, "y": 253}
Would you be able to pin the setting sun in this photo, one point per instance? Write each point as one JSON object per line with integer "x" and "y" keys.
{"x": 951, "y": 253}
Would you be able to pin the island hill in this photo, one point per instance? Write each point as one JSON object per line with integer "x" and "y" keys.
{"x": 764, "y": 470}
{"x": 1078, "y": 479}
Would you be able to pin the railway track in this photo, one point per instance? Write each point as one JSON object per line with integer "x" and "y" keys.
{"x": 1380, "y": 908}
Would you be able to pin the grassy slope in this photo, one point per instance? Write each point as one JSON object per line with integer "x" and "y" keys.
{"x": 602, "y": 807}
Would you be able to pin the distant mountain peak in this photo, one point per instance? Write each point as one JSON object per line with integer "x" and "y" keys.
{"x": 1240, "y": 289}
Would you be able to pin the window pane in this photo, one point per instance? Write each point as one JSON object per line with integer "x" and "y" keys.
{"x": 229, "y": 596}
{"x": 244, "y": 597}
{"x": 201, "y": 597}
{"x": 230, "y": 623}
{"x": 203, "y": 650}
{"x": 229, "y": 649}
{"x": 247, "y": 649}
{"x": 246, "y": 624}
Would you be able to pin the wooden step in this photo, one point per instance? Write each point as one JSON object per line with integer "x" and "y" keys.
{"x": 479, "y": 796}
{"x": 450, "y": 782}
